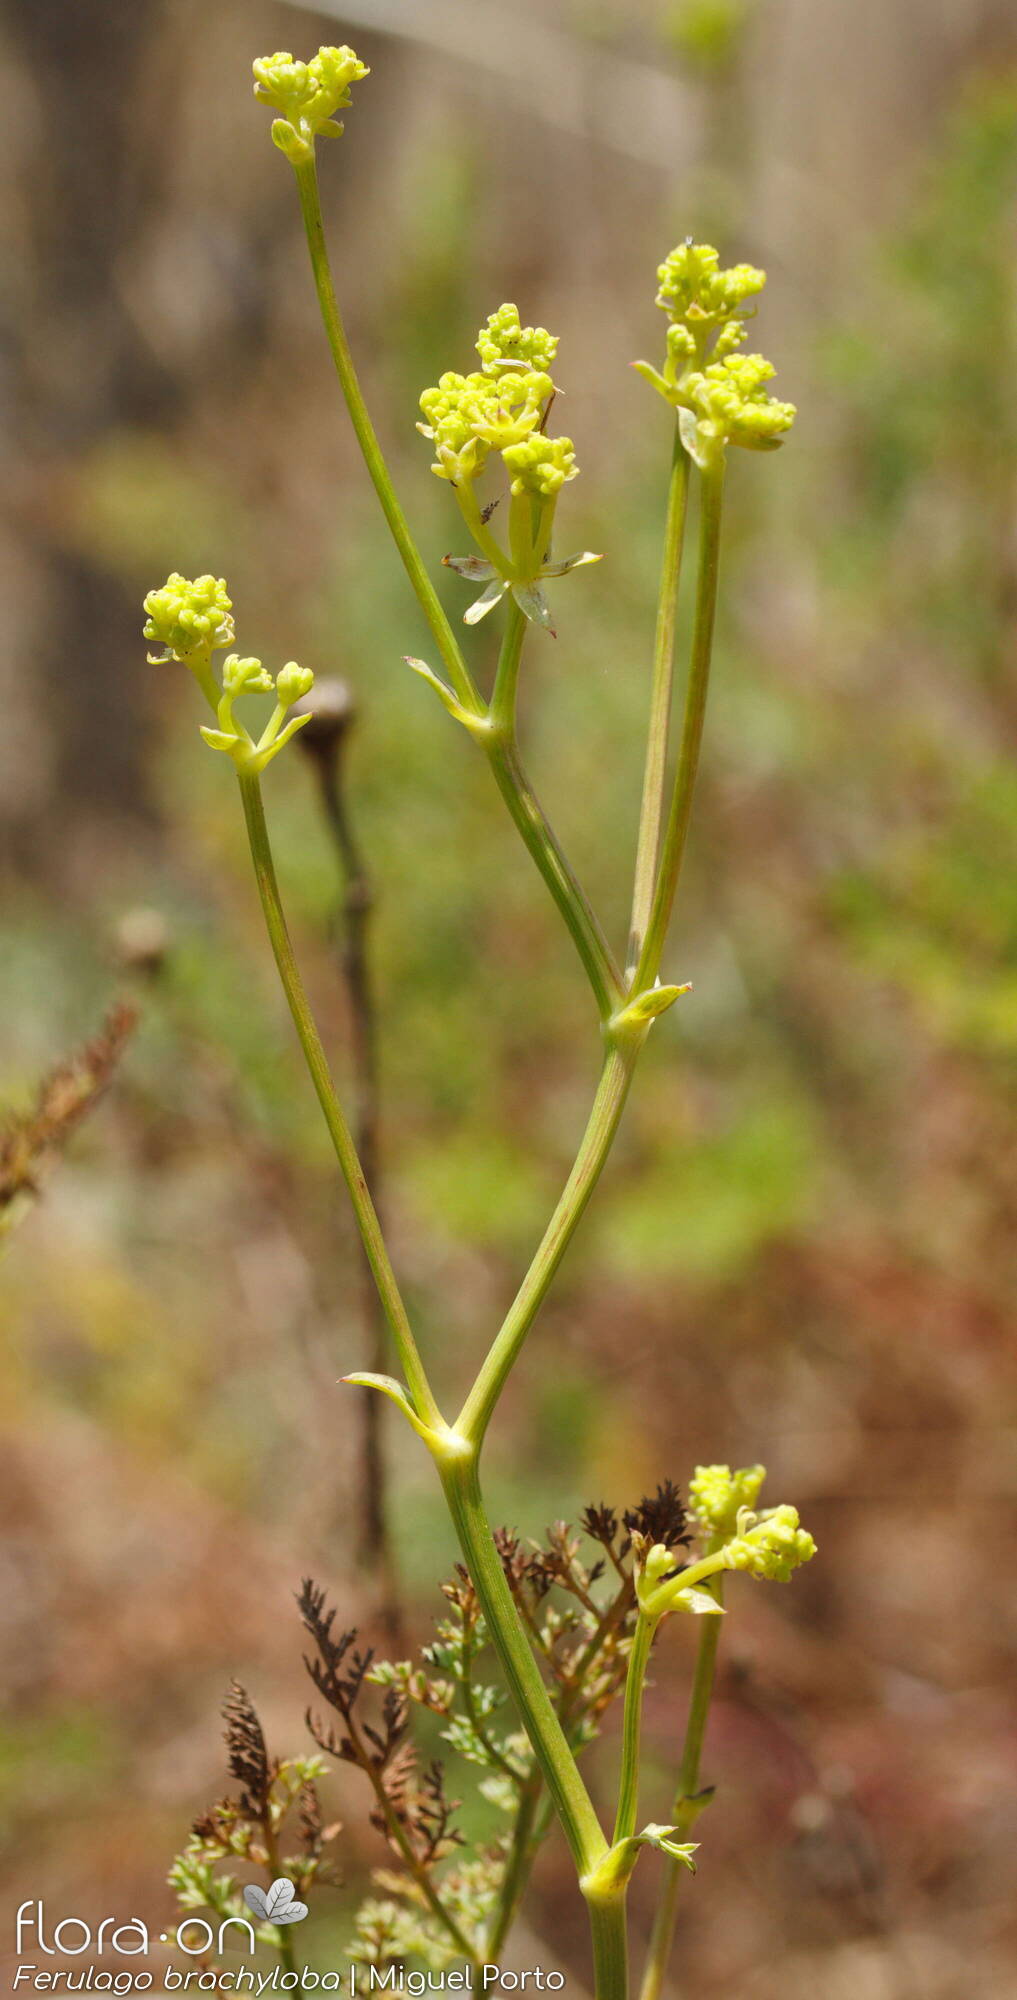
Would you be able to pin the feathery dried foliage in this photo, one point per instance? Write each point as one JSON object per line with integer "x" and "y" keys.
{"x": 275, "y": 1826}
{"x": 66, "y": 1094}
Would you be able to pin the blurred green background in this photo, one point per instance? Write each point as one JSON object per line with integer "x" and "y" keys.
{"x": 804, "y": 1248}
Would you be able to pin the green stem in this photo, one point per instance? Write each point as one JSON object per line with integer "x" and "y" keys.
{"x": 473, "y": 515}
{"x": 448, "y": 645}
{"x": 461, "y": 1484}
{"x": 339, "y": 1131}
{"x": 503, "y": 756}
{"x": 628, "y": 1790}
{"x": 692, "y": 730}
{"x": 608, "y": 1105}
{"x": 686, "y": 1807}
{"x": 501, "y": 749}
{"x": 517, "y": 1867}
{"x": 572, "y": 1802}
{"x": 502, "y": 712}
{"x": 655, "y": 774}
{"x": 609, "y": 1932}
{"x": 532, "y": 824}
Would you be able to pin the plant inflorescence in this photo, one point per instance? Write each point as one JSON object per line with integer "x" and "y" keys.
{"x": 563, "y": 1632}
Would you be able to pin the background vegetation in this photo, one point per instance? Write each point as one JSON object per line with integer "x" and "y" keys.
{"x": 804, "y": 1250}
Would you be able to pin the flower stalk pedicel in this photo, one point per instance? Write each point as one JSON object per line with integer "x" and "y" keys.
{"x": 491, "y": 442}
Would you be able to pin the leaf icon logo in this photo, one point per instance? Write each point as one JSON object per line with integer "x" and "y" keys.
{"x": 277, "y": 1905}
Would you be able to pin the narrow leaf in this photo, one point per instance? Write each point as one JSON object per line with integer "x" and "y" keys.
{"x": 396, "y": 1393}
{"x": 700, "y": 1602}
{"x": 476, "y": 568}
{"x": 533, "y": 605}
{"x": 656, "y": 1000}
{"x": 219, "y": 740}
{"x": 443, "y": 692}
{"x": 570, "y": 562}
{"x": 485, "y": 602}
{"x": 695, "y": 445}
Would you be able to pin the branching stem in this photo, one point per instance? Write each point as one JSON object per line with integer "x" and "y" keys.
{"x": 501, "y": 747}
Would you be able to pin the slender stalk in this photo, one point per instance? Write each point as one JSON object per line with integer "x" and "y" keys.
{"x": 519, "y": 796}
{"x": 608, "y": 1105}
{"x": 339, "y": 1131}
{"x": 517, "y": 1867}
{"x": 501, "y": 749}
{"x": 532, "y": 823}
{"x": 628, "y": 1790}
{"x": 655, "y": 773}
{"x": 427, "y": 596}
{"x": 692, "y": 731}
{"x": 461, "y": 1484}
{"x": 473, "y": 515}
{"x": 502, "y": 711}
{"x": 685, "y": 1810}
{"x": 327, "y": 754}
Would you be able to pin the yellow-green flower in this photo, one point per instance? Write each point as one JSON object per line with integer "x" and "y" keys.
{"x": 307, "y": 96}
{"x": 188, "y": 616}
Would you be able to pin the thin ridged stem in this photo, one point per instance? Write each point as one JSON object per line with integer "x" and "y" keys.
{"x": 712, "y": 485}
{"x": 662, "y": 686}
{"x": 461, "y": 1483}
{"x": 503, "y": 756}
{"x": 321, "y": 1077}
{"x": 628, "y": 1789}
{"x": 685, "y": 1811}
{"x": 608, "y": 1105}
{"x": 374, "y": 459}
{"x": 502, "y": 752}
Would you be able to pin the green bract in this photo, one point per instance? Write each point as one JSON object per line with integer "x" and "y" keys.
{"x": 718, "y": 393}
{"x": 307, "y": 95}
{"x": 186, "y": 617}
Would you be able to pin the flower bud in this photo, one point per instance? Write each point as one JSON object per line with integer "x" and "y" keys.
{"x": 244, "y": 676}
{"x": 502, "y": 343}
{"x": 307, "y": 95}
{"x": 717, "y": 1495}
{"x": 541, "y": 465}
{"x": 292, "y": 683}
{"x": 186, "y": 617}
{"x": 772, "y": 1546}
